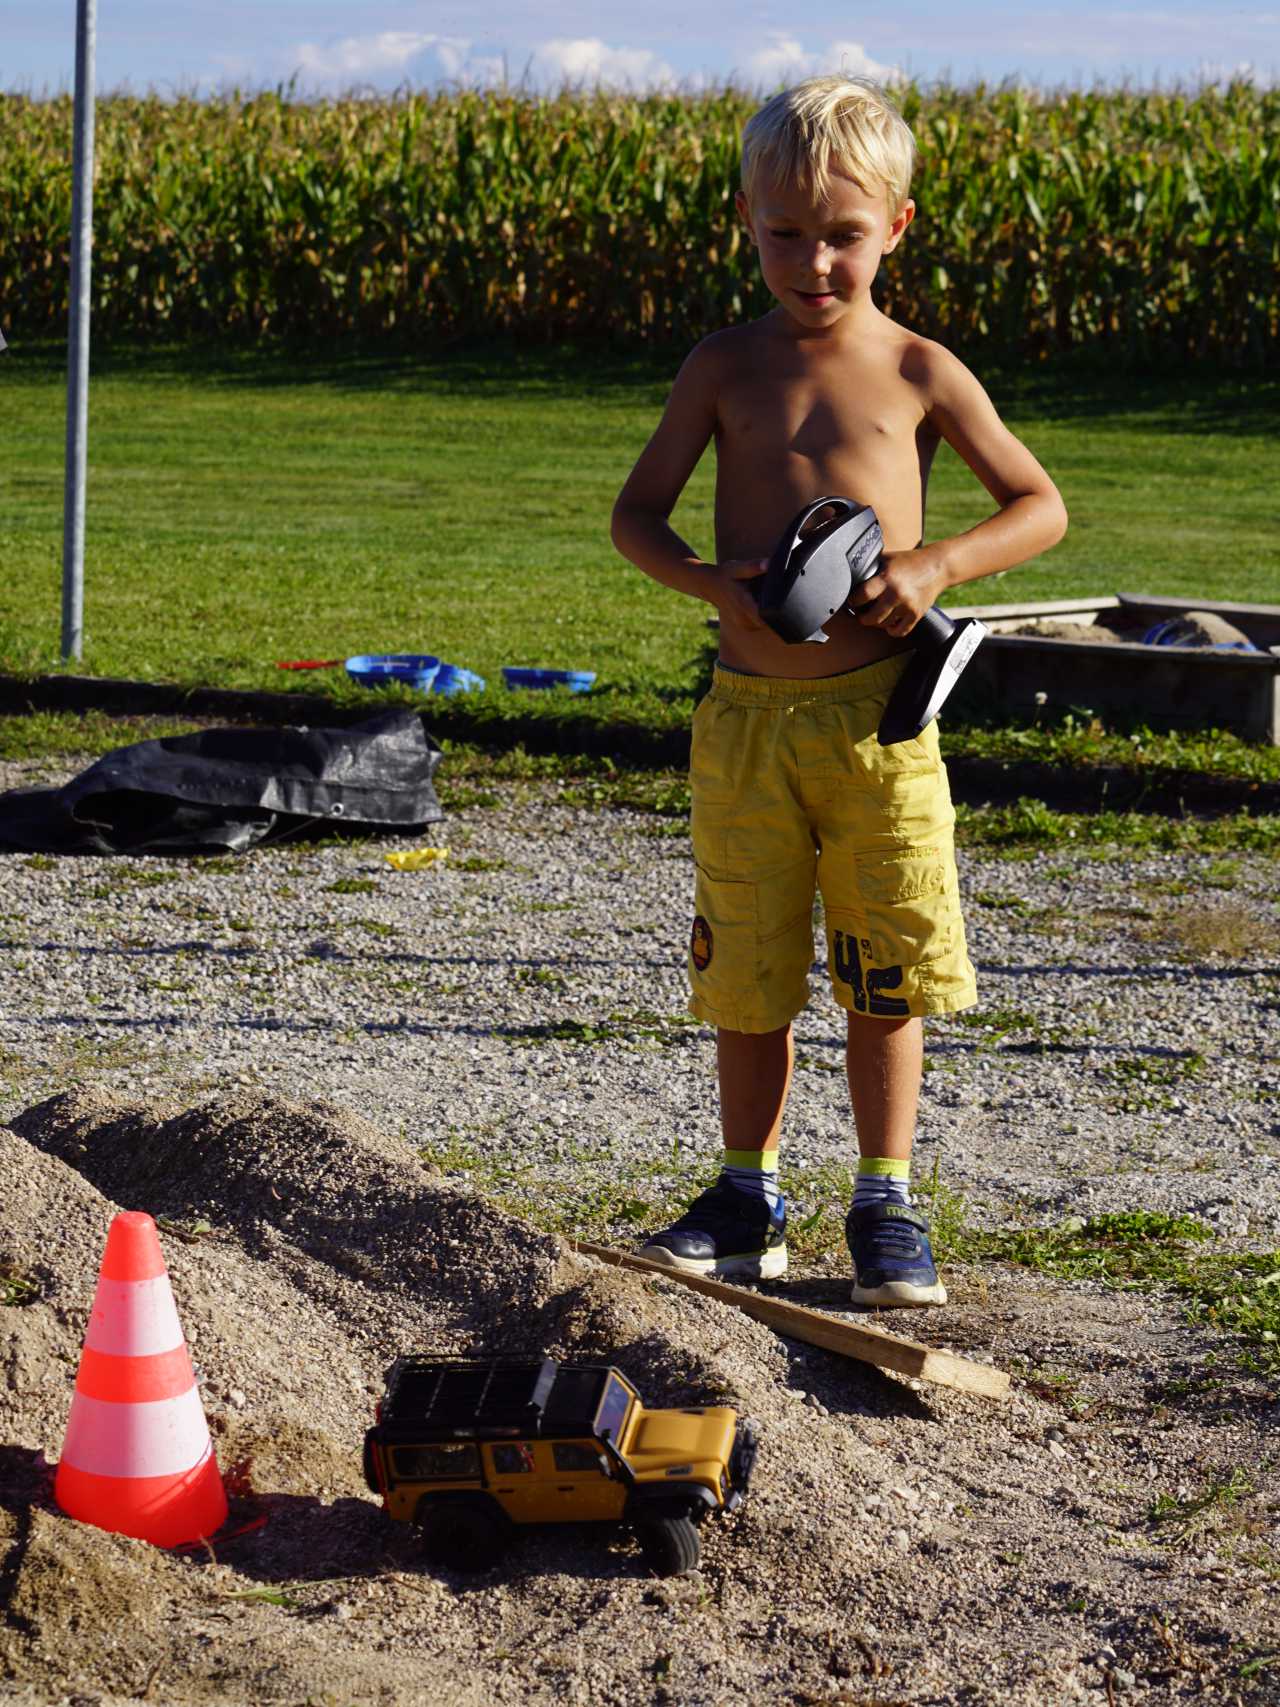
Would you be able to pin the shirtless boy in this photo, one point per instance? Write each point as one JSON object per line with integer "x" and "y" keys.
{"x": 824, "y": 395}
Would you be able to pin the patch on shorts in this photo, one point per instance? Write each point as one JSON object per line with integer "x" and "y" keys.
{"x": 700, "y": 943}
{"x": 869, "y": 992}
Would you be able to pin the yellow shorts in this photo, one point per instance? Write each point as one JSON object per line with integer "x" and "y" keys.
{"x": 792, "y": 791}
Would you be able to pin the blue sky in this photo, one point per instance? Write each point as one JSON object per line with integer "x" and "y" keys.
{"x": 201, "y": 46}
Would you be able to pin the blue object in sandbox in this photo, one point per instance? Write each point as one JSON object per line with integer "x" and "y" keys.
{"x": 452, "y": 678}
{"x": 1166, "y": 634}
{"x": 577, "y": 681}
{"x": 376, "y": 670}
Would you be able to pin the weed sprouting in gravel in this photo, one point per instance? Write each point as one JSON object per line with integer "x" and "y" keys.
{"x": 120, "y": 878}
{"x": 1145, "y": 1082}
{"x": 818, "y": 1200}
{"x": 994, "y": 1025}
{"x": 374, "y": 927}
{"x": 352, "y": 886}
{"x": 641, "y": 1027}
{"x": 541, "y": 977}
{"x": 1059, "y": 1386}
{"x": 814, "y": 1064}
{"x": 663, "y": 827}
{"x": 996, "y": 1022}
{"x": 189, "y": 1232}
{"x": 1235, "y": 1291}
{"x": 1010, "y": 903}
{"x": 456, "y": 798}
{"x": 1028, "y": 826}
{"x": 1221, "y": 874}
{"x": 614, "y": 1207}
{"x": 263, "y": 1596}
{"x": 1186, "y": 1517}
{"x": 1229, "y": 931}
{"x": 17, "y": 1284}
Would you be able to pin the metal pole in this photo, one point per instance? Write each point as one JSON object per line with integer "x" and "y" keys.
{"x": 78, "y": 339}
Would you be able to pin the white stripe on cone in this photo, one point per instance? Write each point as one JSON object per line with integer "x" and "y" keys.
{"x": 134, "y": 1318}
{"x": 155, "y": 1437}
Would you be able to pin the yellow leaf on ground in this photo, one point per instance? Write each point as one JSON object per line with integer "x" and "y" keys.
{"x": 417, "y": 859}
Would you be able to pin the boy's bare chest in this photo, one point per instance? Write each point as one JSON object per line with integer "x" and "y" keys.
{"x": 780, "y": 445}
{"x": 819, "y": 417}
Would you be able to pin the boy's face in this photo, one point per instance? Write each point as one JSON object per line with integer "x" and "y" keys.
{"x": 819, "y": 258}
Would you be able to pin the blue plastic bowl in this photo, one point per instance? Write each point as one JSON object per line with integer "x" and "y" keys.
{"x": 452, "y": 678}
{"x": 375, "y": 670}
{"x": 1166, "y": 634}
{"x": 577, "y": 681}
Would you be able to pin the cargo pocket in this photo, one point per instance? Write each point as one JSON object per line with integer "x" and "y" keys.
{"x": 911, "y": 909}
{"x": 725, "y": 940}
{"x": 724, "y": 949}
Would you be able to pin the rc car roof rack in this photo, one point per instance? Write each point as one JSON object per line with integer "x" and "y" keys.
{"x": 466, "y": 1397}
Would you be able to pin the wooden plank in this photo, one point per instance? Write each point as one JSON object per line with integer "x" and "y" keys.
{"x": 1028, "y": 612}
{"x": 849, "y": 1339}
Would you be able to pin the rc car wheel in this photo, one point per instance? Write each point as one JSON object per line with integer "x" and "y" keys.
{"x": 463, "y": 1535}
{"x": 669, "y": 1542}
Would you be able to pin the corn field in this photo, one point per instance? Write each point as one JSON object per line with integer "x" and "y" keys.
{"x": 1142, "y": 225}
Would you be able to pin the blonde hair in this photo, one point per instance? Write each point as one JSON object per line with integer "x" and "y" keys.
{"x": 848, "y": 123}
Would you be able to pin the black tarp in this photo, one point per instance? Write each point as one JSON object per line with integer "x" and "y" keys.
{"x": 228, "y": 789}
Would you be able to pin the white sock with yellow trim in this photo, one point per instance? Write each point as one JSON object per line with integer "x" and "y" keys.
{"x": 882, "y": 1179}
{"x": 755, "y": 1172}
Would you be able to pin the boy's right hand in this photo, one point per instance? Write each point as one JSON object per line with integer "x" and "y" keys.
{"x": 732, "y": 595}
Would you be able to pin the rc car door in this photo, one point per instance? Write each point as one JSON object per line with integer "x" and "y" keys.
{"x": 582, "y": 1490}
{"x": 518, "y": 1481}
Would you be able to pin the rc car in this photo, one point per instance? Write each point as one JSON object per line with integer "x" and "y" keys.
{"x": 467, "y": 1450}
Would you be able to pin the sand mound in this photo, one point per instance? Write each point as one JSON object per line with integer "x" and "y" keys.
{"x": 314, "y": 1184}
{"x": 306, "y": 1250}
{"x": 336, "y": 1189}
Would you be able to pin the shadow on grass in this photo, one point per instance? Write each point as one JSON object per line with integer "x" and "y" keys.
{"x": 1199, "y": 401}
{"x": 562, "y": 370}
{"x": 1086, "y": 386}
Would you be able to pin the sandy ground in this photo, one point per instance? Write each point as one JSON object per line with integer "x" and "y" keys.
{"x": 900, "y": 1544}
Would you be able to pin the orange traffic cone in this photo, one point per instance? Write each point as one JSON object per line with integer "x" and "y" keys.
{"x": 137, "y": 1457}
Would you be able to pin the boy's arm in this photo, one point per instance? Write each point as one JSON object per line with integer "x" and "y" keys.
{"x": 1031, "y": 515}
{"x": 641, "y": 529}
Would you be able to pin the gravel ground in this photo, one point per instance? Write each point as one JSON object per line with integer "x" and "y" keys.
{"x": 321, "y": 1073}
{"x": 1125, "y": 1051}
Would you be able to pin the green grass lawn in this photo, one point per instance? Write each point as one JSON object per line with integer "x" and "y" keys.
{"x": 248, "y": 507}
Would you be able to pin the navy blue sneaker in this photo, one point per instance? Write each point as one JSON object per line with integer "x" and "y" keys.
{"x": 892, "y": 1262}
{"x": 725, "y": 1231}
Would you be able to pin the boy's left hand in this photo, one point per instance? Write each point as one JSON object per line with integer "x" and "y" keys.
{"x": 903, "y": 588}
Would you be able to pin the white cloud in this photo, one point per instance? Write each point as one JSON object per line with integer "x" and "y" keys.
{"x": 588, "y": 60}
{"x": 460, "y": 64}
{"x": 785, "y": 59}
{"x": 356, "y": 57}
{"x": 1242, "y": 72}
{"x": 389, "y": 56}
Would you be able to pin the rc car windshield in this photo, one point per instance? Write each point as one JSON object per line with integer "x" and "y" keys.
{"x": 613, "y": 1410}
